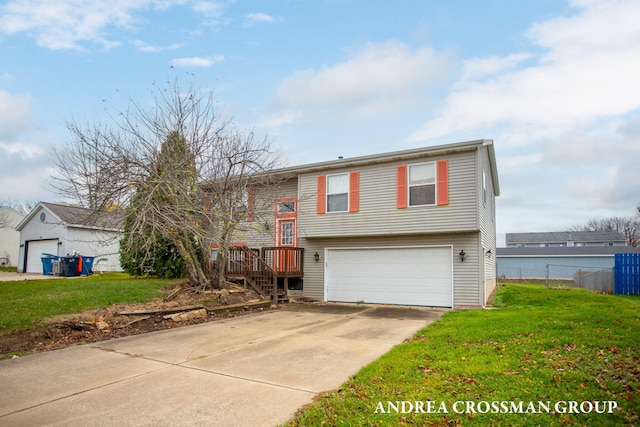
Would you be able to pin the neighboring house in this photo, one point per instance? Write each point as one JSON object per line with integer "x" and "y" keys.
{"x": 9, "y": 237}
{"x": 559, "y": 255}
{"x": 61, "y": 230}
{"x": 565, "y": 239}
{"x": 414, "y": 227}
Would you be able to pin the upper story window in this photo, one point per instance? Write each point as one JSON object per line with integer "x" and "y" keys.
{"x": 422, "y": 184}
{"x": 338, "y": 192}
{"x": 288, "y": 206}
{"x": 484, "y": 187}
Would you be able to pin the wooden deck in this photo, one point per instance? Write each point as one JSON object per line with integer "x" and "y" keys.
{"x": 285, "y": 262}
{"x": 267, "y": 270}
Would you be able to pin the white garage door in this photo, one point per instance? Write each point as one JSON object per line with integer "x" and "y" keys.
{"x": 35, "y": 249}
{"x": 406, "y": 276}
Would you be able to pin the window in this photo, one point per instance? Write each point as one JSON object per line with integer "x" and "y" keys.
{"x": 287, "y": 207}
{"x": 484, "y": 188}
{"x": 422, "y": 184}
{"x": 286, "y": 233}
{"x": 338, "y": 192}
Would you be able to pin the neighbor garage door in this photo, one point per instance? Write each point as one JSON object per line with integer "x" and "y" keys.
{"x": 35, "y": 249}
{"x": 406, "y": 276}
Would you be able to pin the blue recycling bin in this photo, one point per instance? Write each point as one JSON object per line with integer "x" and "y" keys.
{"x": 87, "y": 265}
{"x": 47, "y": 263}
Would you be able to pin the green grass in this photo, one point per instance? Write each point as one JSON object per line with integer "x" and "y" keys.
{"x": 542, "y": 345}
{"x": 28, "y": 304}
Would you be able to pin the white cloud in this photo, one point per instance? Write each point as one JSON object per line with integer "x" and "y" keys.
{"x": 478, "y": 68}
{"x": 66, "y": 24}
{"x": 26, "y": 151}
{"x": 517, "y": 164}
{"x": 381, "y": 79}
{"x": 197, "y": 61}
{"x": 254, "y": 18}
{"x": 277, "y": 121}
{"x": 144, "y": 47}
{"x": 212, "y": 12}
{"x": 586, "y": 72}
{"x": 15, "y": 114}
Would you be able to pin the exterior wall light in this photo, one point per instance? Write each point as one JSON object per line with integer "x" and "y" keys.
{"x": 316, "y": 256}
{"x": 462, "y": 255}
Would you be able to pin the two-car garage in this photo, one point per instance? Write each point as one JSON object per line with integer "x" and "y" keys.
{"x": 390, "y": 275}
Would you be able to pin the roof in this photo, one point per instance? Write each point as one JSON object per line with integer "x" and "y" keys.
{"x": 73, "y": 216}
{"x": 565, "y": 251}
{"x": 401, "y": 156}
{"x": 565, "y": 236}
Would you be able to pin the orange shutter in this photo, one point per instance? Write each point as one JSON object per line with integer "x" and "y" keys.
{"x": 251, "y": 203}
{"x": 402, "y": 187}
{"x": 322, "y": 194}
{"x": 354, "y": 193}
{"x": 442, "y": 177}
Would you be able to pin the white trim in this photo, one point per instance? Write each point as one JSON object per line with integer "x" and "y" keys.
{"x": 435, "y": 184}
{"x": 348, "y": 174}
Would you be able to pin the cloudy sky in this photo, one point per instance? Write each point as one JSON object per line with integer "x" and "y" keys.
{"x": 555, "y": 84}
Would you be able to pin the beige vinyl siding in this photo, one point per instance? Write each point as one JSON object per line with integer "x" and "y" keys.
{"x": 378, "y": 214}
{"x": 487, "y": 224}
{"x": 260, "y": 231}
{"x": 466, "y": 289}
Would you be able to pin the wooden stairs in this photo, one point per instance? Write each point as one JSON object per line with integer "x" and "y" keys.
{"x": 262, "y": 278}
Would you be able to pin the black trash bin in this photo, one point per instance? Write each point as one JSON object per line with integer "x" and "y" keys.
{"x": 70, "y": 266}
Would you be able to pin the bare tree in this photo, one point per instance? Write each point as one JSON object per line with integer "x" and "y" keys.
{"x": 20, "y": 207}
{"x": 179, "y": 170}
{"x": 628, "y": 226}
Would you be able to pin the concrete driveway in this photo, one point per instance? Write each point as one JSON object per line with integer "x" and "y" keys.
{"x": 255, "y": 370}
{"x": 14, "y": 277}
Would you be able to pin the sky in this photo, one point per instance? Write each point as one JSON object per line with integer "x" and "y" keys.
{"x": 555, "y": 84}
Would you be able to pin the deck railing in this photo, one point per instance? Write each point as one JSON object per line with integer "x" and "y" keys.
{"x": 287, "y": 262}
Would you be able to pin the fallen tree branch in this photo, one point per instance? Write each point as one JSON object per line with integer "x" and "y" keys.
{"x": 238, "y": 307}
{"x": 173, "y": 294}
{"x": 160, "y": 310}
{"x": 135, "y": 321}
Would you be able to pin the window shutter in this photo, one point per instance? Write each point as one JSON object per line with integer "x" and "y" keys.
{"x": 442, "y": 177}
{"x": 322, "y": 194}
{"x": 401, "y": 201}
{"x": 354, "y": 191}
{"x": 251, "y": 203}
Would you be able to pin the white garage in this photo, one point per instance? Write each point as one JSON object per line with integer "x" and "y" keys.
{"x": 391, "y": 275}
{"x": 35, "y": 249}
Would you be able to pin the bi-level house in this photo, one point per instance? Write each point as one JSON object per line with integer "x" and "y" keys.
{"x": 414, "y": 227}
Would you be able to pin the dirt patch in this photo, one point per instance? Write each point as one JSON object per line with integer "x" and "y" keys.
{"x": 109, "y": 323}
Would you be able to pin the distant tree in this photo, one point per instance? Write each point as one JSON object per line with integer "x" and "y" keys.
{"x": 180, "y": 172}
{"x": 628, "y": 226}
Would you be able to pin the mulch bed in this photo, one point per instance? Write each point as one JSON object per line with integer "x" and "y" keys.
{"x": 84, "y": 328}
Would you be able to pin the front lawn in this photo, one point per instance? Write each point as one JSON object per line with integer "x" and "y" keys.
{"x": 545, "y": 357}
{"x": 27, "y": 304}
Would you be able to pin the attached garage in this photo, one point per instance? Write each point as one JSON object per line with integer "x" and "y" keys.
{"x": 390, "y": 275}
{"x": 35, "y": 249}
